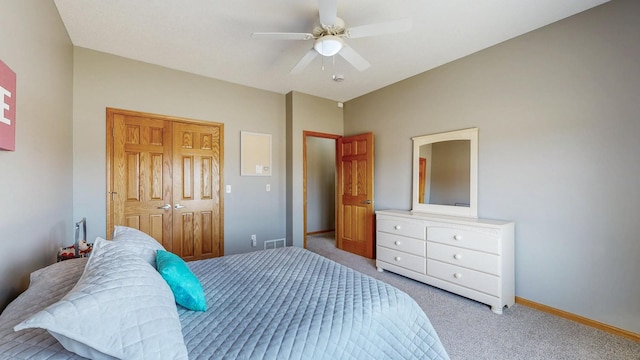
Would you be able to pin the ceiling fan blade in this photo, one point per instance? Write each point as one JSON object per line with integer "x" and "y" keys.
{"x": 282, "y": 36}
{"x": 328, "y": 10}
{"x": 306, "y": 60}
{"x": 383, "y": 28}
{"x": 354, "y": 58}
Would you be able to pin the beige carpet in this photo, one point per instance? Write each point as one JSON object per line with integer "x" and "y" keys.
{"x": 469, "y": 330}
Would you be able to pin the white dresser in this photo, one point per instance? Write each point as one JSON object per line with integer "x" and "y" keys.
{"x": 467, "y": 256}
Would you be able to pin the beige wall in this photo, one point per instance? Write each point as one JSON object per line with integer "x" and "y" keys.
{"x": 35, "y": 180}
{"x": 102, "y": 80}
{"x": 558, "y": 114}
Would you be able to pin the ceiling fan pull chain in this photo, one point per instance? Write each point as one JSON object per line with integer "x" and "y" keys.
{"x": 333, "y": 61}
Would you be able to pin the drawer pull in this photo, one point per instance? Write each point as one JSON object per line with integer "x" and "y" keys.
{"x": 397, "y": 243}
{"x": 457, "y": 275}
{"x": 457, "y": 237}
{"x": 397, "y": 227}
{"x": 457, "y": 256}
{"x": 397, "y": 258}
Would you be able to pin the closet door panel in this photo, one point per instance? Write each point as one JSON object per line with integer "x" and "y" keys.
{"x": 141, "y": 176}
{"x": 196, "y": 154}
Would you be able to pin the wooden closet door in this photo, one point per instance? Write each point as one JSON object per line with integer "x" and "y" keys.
{"x": 141, "y": 187}
{"x": 197, "y": 220}
{"x": 165, "y": 179}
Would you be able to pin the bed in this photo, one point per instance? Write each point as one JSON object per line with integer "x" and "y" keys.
{"x": 285, "y": 303}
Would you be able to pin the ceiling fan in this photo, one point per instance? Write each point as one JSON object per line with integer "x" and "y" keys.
{"x": 328, "y": 37}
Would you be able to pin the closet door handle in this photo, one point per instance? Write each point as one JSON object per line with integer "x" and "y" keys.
{"x": 165, "y": 207}
{"x": 178, "y": 206}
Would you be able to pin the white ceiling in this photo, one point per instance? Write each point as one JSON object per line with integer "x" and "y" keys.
{"x": 212, "y": 38}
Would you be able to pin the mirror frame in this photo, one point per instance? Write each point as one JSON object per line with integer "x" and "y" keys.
{"x": 466, "y": 134}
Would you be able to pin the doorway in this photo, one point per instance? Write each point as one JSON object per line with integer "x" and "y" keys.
{"x": 319, "y": 177}
{"x": 354, "y": 206}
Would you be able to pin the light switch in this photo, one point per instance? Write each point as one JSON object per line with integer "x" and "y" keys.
{"x": 228, "y": 189}
{"x": 268, "y": 187}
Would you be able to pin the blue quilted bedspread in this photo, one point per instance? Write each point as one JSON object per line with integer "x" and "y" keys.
{"x": 286, "y": 303}
{"x": 290, "y": 303}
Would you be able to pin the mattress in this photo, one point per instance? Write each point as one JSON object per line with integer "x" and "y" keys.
{"x": 286, "y": 303}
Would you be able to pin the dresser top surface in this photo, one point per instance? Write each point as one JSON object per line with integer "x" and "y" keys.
{"x": 437, "y": 217}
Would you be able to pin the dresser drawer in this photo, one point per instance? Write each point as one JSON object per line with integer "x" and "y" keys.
{"x": 471, "y": 259}
{"x": 414, "y": 229}
{"x": 464, "y": 238}
{"x": 472, "y": 279}
{"x": 398, "y": 258}
{"x": 401, "y": 243}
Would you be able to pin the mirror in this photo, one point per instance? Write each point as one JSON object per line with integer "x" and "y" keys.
{"x": 445, "y": 173}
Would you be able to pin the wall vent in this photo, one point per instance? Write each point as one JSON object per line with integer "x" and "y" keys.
{"x": 275, "y": 243}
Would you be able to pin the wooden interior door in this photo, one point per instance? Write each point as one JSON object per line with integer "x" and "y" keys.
{"x": 197, "y": 222}
{"x": 140, "y": 195}
{"x": 355, "y": 218}
{"x": 422, "y": 178}
{"x": 165, "y": 179}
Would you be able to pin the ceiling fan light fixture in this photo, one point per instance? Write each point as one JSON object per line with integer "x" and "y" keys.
{"x": 328, "y": 45}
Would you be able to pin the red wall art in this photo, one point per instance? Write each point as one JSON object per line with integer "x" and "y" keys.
{"x": 7, "y": 108}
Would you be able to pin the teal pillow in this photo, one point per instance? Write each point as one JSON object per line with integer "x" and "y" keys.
{"x": 185, "y": 285}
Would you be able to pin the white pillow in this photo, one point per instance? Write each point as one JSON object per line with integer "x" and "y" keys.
{"x": 120, "y": 308}
{"x": 138, "y": 243}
